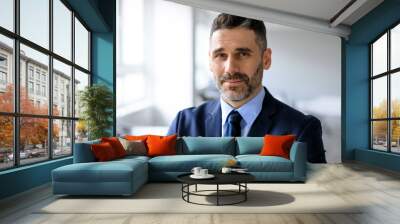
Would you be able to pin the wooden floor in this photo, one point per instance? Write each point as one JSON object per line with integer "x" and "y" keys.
{"x": 377, "y": 188}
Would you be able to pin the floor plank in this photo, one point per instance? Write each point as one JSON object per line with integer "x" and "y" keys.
{"x": 376, "y": 189}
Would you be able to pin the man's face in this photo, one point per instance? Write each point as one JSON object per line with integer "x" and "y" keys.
{"x": 237, "y": 62}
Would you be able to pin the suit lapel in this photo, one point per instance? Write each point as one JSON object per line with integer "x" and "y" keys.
{"x": 263, "y": 123}
{"x": 213, "y": 121}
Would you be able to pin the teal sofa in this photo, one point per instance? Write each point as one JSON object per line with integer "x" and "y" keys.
{"x": 125, "y": 176}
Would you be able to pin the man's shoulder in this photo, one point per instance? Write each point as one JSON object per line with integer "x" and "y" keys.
{"x": 206, "y": 107}
{"x": 291, "y": 113}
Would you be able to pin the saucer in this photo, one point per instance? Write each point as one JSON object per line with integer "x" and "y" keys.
{"x": 208, "y": 176}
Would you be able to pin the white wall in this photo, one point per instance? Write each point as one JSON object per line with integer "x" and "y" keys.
{"x": 306, "y": 74}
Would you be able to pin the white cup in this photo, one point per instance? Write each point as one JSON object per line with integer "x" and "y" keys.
{"x": 196, "y": 170}
{"x": 226, "y": 170}
{"x": 203, "y": 172}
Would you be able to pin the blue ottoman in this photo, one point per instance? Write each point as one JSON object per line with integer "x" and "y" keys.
{"x": 118, "y": 177}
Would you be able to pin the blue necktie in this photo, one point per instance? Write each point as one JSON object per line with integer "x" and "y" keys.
{"x": 233, "y": 129}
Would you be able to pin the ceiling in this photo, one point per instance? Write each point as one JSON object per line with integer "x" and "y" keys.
{"x": 333, "y": 17}
{"x": 318, "y": 9}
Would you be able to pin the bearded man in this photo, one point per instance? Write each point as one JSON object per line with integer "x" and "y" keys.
{"x": 238, "y": 56}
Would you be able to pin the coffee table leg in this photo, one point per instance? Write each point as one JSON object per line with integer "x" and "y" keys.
{"x": 245, "y": 191}
{"x": 217, "y": 194}
{"x": 196, "y": 188}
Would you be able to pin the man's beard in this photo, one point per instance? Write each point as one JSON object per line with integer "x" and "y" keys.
{"x": 238, "y": 93}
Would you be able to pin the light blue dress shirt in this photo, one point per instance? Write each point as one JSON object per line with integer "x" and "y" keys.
{"x": 249, "y": 112}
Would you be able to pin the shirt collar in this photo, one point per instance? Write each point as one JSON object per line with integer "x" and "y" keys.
{"x": 249, "y": 111}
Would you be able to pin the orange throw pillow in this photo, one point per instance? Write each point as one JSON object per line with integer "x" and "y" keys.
{"x": 103, "y": 152}
{"x": 277, "y": 145}
{"x": 136, "y": 138}
{"x": 116, "y": 145}
{"x": 161, "y": 145}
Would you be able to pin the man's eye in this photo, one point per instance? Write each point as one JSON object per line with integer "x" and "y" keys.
{"x": 243, "y": 54}
{"x": 219, "y": 56}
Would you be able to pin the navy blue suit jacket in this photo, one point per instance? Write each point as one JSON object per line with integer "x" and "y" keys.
{"x": 275, "y": 118}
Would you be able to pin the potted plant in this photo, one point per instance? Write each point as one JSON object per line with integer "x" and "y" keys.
{"x": 96, "y": 102}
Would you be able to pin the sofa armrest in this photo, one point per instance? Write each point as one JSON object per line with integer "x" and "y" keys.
{"x": 83, "y": 152}
{"x": 298, "y": 155}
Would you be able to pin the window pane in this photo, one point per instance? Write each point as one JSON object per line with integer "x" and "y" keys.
{"x": 395, "y": 47}
{"x": 34, "y": 97}
{"x": 81, "y": 81}
{"x": 62, "y": 29}
{"x": 6, "y": 74}
{"x": 395, "y": 132}
{"x": 7, "y": 14}
{"x": 81, "y": 45}
{"x": 395, "y": 94}
{"x": 379, "y": 135}
{"x": 62, "y": 89}
{"x": 33, "y": 139}
{"x": 81, "y": 131}
{"x": 379, "y": 55}
{"x": 35, "y": 21}
{"x": 379, "y": 100}
{"x": 6, "y": 142}
{"x": 62, "y": 137}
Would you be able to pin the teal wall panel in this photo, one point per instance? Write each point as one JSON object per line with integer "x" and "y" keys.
{"x": 356, "y": 84}
{"x": 380, "y": 159}
{"x": 24, "y": 178}
{"x": 102, "y": 58}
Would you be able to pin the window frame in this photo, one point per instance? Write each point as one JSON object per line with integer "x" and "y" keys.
{"x": 388, "y": 74}
{"x": 15, "y": 72}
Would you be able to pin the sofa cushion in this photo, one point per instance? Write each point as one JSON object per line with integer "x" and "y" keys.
{"x": 277, "y": 145}
{"x": 185, "y": 163}
{"x": 161, "y": 145}
{"x": 116, "y": 145}
{"x": 103, "y": 151}
{"x": 249, "y": 145}
{"x": 134, "y": 147}
{"x": 257, "y": 163}
{"x": 208, "y": 145}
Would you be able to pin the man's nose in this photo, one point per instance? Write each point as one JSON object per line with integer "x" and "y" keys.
{"x": 231, "y": 66}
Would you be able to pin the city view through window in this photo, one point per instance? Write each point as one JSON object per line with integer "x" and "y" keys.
{"x": 32, "y": 130}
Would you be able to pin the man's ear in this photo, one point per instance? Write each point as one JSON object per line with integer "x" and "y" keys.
{"x": 267, "y": 58}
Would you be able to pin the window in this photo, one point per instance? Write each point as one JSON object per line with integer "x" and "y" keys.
{"x": 30, "y": 72}
{"x": 81, "y": 45}
{"x": 385, "y": 91}
{"x": 34, "y": 21}
{"x": 7, "y": 14}
{"x": 37, "y": 75}
{"x": 3, "y": 78}
{"x": 30, "y": 87}
{"x": 3, "y": 72}
{"x": 53, "y": 125}
{"x": 38, "y": 89}
{"x": 62, "y": 29}
{"x": 62, "y": 74}
{"x": 3, "y": 61}
{"x": 44, "y": 91}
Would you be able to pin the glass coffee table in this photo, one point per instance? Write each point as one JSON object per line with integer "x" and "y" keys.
{"x": 238, "y": 179}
